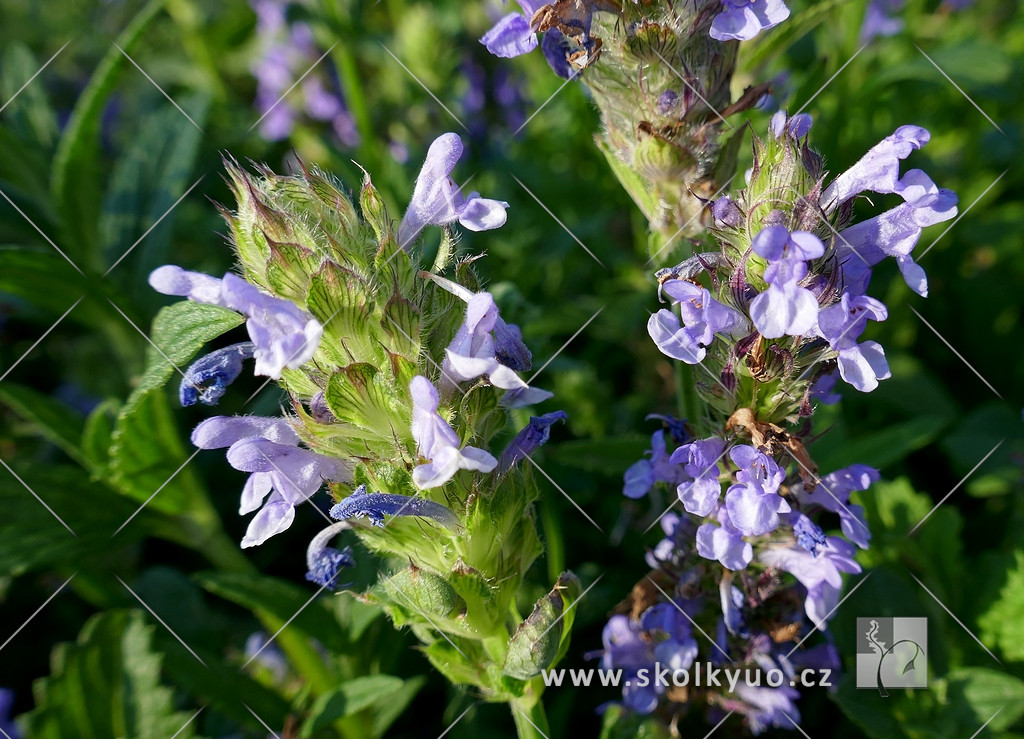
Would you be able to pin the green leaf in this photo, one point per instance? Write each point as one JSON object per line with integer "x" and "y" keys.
{"x": 75, "y": 177}
{"x": 147, "y": 451}
{"x": 30, "y": 112}
{"x": 34, "y": 539}
{"x": 147, "y": 179}
{"x": 1001, "y": 623}
{"x": 98, "y": 432}
{"x": 51, "y": 418}
{"x": 282, "y": 600}
{"x": 385, "y": 714}
{"x": 976, "y": 694}
{"x": 358, "y": 694}
{"x": 47, "y": 281}
{"x": 882, "y": 446}
{"x": 106, "y": 684}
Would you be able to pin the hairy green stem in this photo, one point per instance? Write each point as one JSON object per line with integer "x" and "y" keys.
{"x": 531, "y": 720}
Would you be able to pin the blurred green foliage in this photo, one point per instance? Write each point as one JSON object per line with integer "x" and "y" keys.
{"x": 92, "y": 156}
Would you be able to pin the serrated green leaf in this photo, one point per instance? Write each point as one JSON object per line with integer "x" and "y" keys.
{"x": 147, "y": 451}
{"x": 98, "y": 432}
{"x": 977, "y": 693}
{"x": 180, "y": 330}
{"x": 1001, "y": 623}
{"x": 106, "y": 684}
{"x": 351, "y": 697}
{"x": 34, "y": 539}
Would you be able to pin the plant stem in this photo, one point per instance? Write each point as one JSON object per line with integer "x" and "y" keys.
{"x": 531, "y": 720}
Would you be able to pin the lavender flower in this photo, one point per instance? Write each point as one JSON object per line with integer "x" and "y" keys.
{"x": 785, "y": 308}
{"x": 284, "y": 335}
{"x": 479, "y": 342}
{"x": 512, "y": 35}
{"x": 699, "y": 494}
{"x": 895, "y": 233}
{"x": 643, "y": 474}
{"x": 765, "y": 707}
{"x": 437, "y": 200}
{"x": 724, "y": 542}
{"x": 820, "y": 573}
{"x": 832, "y": 493}
{"x": 880, "y": 20}
{"x": 861, "y": 365}
{"x": 207, "y": 379}
{"x": 268, "y": 448}
{"x": 879, "y": 169}
{"x": 261, "y": 651}
{"x": 437, "y": 442}
{"x": 702, "y": 318}
{"x": 674, "y": 645}
{"x": 795, "y": 127}
{"x": 823, "y": 389}
{"x": 535, "y": 434}
{"x": 566, "y": 34}
{"x": 753, "y": 503}
{"x": 742, "y": 20}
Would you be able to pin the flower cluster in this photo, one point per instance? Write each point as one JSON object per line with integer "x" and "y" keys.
{"x": 759, "y": 555}
{"x": 398, "y": 380}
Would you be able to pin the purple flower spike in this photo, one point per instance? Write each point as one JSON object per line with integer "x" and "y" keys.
{"x": 879, "y": 169}
{"x": 437, "y": 442}
{"x": 742, "y": 20}
{"x": 785, "y": 308}
{"x": 702, "y": 318}
{"x": 535, "y": 434}
{"x": 438, "y": 201}
{"x": 861, "y": 365}
{"x": 283, "y": 334}
{"x": 323, "y": 563}
{"x": 376, "y": 506}
{"x": 207, "y": 378}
